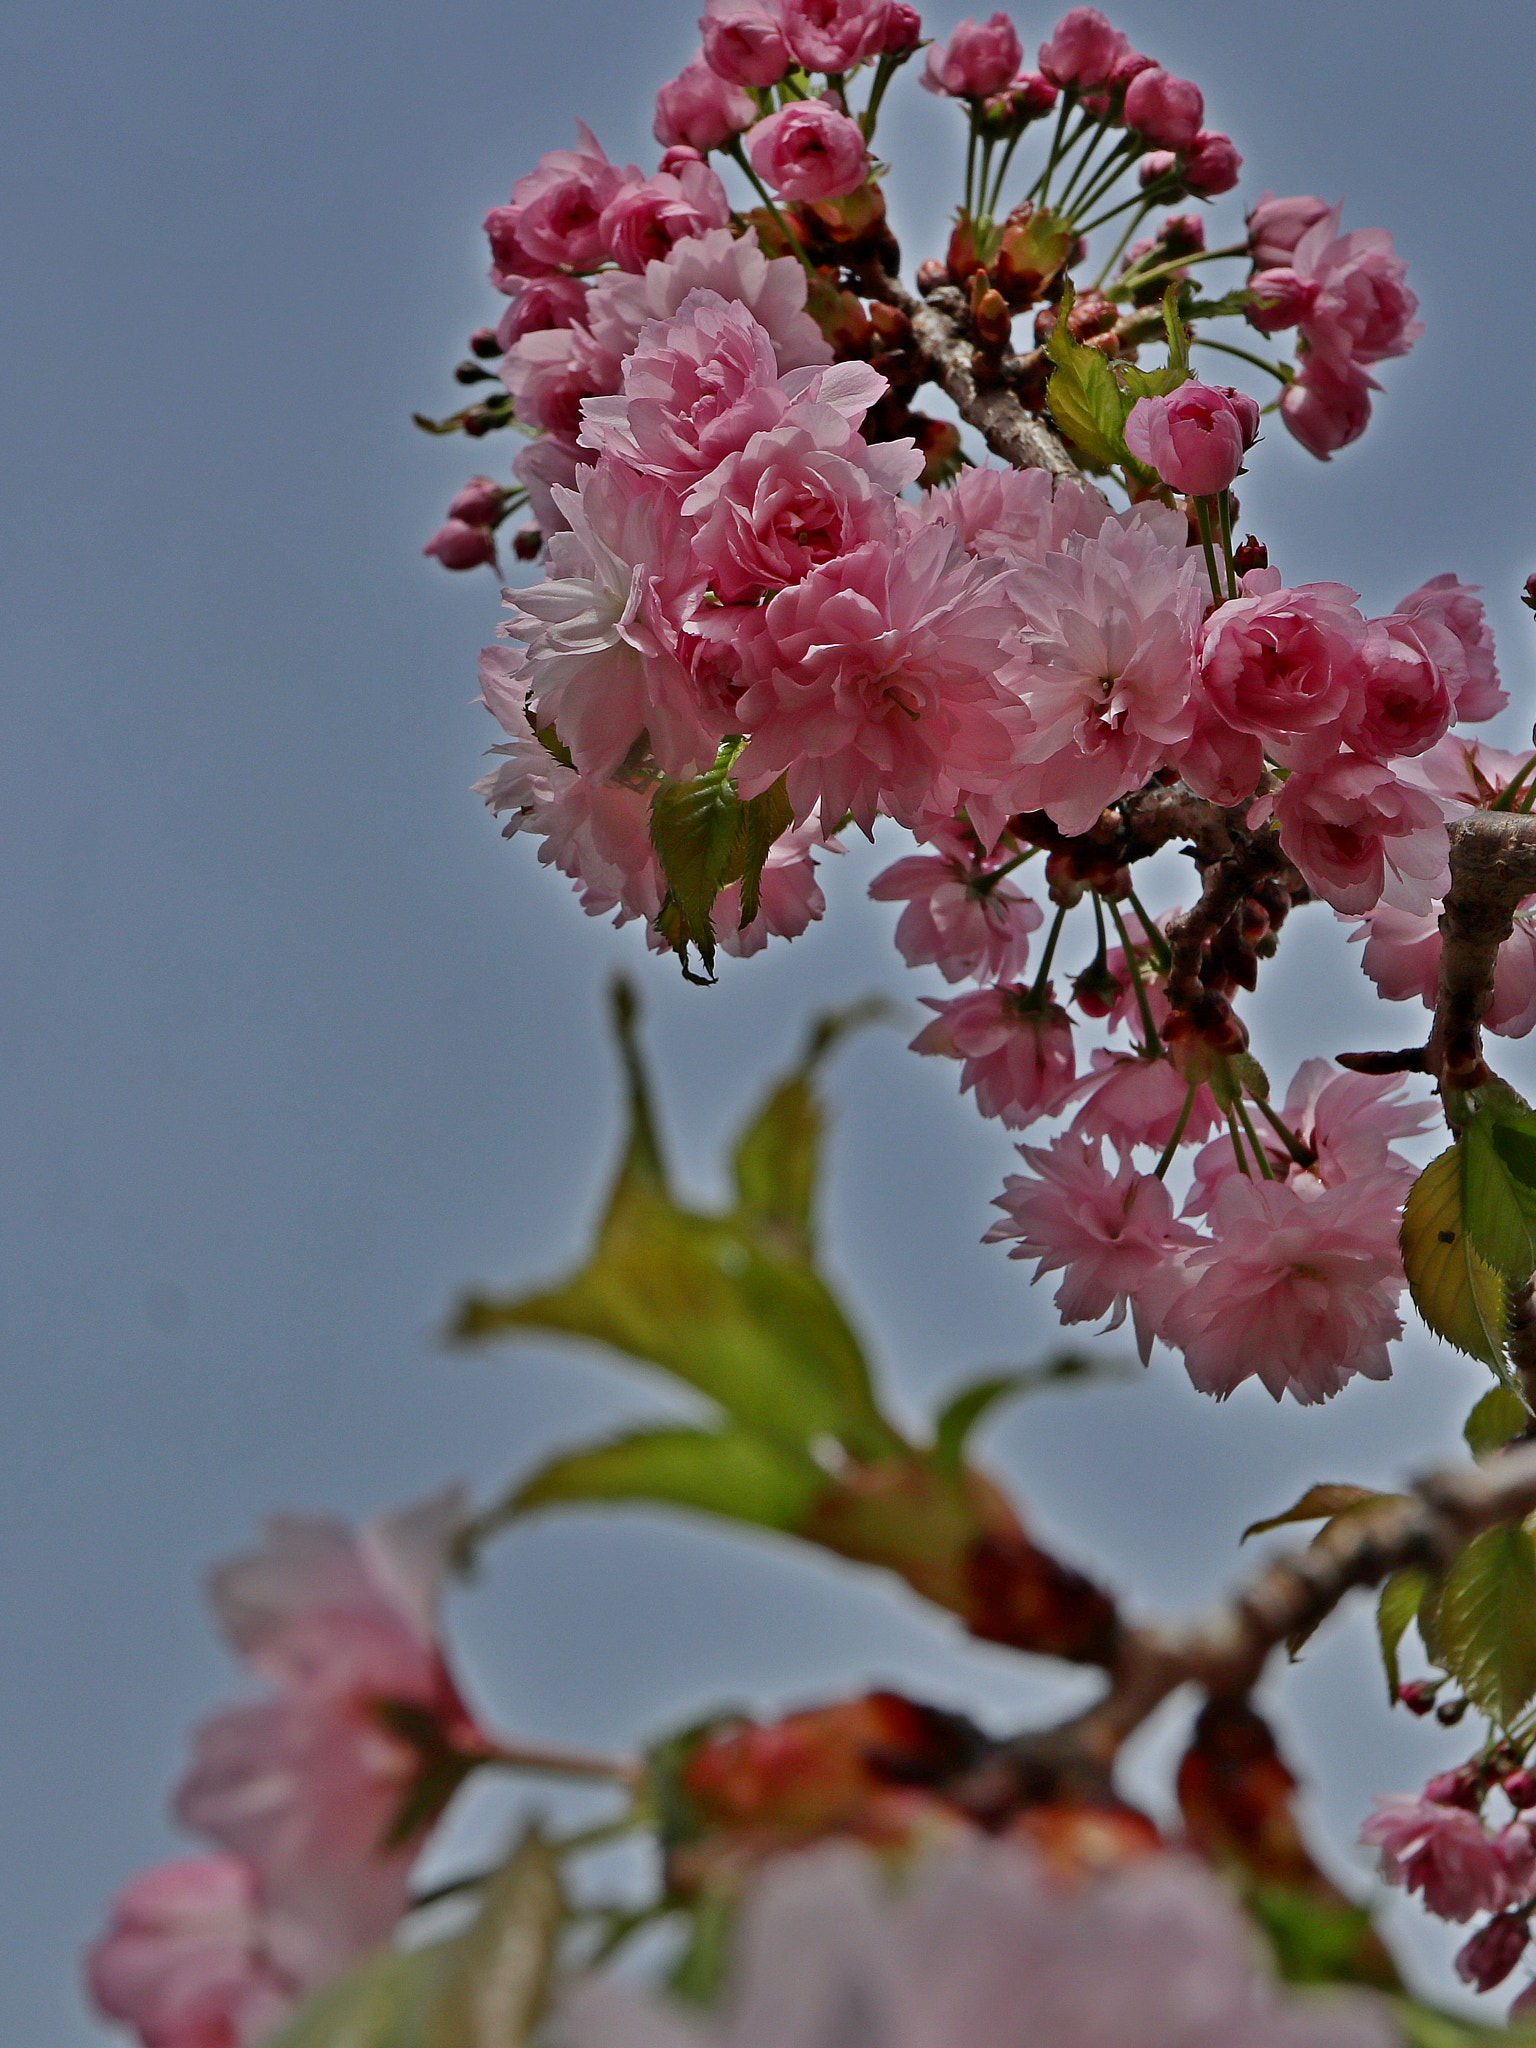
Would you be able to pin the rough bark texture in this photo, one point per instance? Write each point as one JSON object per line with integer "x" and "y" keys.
{"x": 1493, "y": 867}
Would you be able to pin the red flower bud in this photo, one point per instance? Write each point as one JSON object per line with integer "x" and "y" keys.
{"x": 1493, "y": 1951}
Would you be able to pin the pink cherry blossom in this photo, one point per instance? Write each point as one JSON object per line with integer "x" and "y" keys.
{"x": 1465, "y": 771}
{"x": 1166, "y": 110}
{"x": 1297, "y": 1289}
{"x": 1402, "y": 957}
{"x": 602, "y": 631}
{"x": 1362, "y": 311}
{"x": 1216, "y": 761}
{"x": 985, "y": 1946}
{"x": 1351, "y": 824}
{"x": 183, "y": 1961}
{"x": 1105, "y": 666}
{"x": 903, "y": 30}
{"x": 1348, "y": 1121}
{"x": 479, "y": 502}
{"x": 540, "y": 302}
{"x": 641, "y": 222}
{"x": 552, "y": 462}
{"x": 792, "y": 898}
{"x": 458, "y": 545}
{"x": 557, "y": 208}
{"x": 1487, "y": 1959}
{"x": 1327, "y": 406}
{"x": 809, "y": 150}
{"x": 960, "y": 917}
{"x": 1113, "y": 1237}
{"x": 1275, "y": 226}
{"x": 548, "y": 379}
{"x": 980, "y": 59}
{"x": 1082, "y": 50}
{"x": 1210, "y": 165}
{"x": 1012, "y": 515}
{"x": 1017, "y": 1051}
{"x": 870, "y": 683}
{"x": 1280, "y": 300}
{"x": 1401, "y": 702}
{"x": 744, "y": 42}
{"x": 773, "y": 291}
{"x": 1134, "y": 1100}
{"x": 1447, "y": 1854}
{"x": 700, "y": 109}
{"x": 1282, "y": 666}
{"x": 1195, "y": 437}
{"x": 834, "y": 35}
{"x": 1458, "y": 609}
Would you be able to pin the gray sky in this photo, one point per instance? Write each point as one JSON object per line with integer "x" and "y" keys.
{"x": 294, "y": 1045}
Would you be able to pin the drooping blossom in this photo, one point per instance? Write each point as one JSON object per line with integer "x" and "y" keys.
{"x": 1210, "y": 165}
{"x": 1299, "y": 1291}
{"x": 641, "y": 222}
{"x": 961, "y": 917}
{"x": 1082, "y": 50}
{"x": 1362, "y": 310}
{"x": 1113, "y": 1237}
{"x": 1326, "y": 405}
{"x": 1015, "y": 1049}
{"x": 1402, "y": 701}
{"x": 1168, "y": 111}
{"x": 1275, "y": 226}
{"x": 809, "y": 150}
{"x": 1104, "y": 663}
{"x": 184, "y": 1961}
{"x": 870, "y": 684}
{"x": 984, "y": 1946}
{"x": 1458, "y": 610}
{"x": 833, "y": 35}
{"x": 1352, "y": 828}
{"x": 1487, "y": 1959}
{"x": 1281, "y": 665}
{"x": 744, "y": 42}
{"x": 700, "y": 109}
{"x": 1447, "y": 1854}
{"x": 980, "y": 59}
{"x": 1195, "y": 437}
{"x": 1132, "y": 1100}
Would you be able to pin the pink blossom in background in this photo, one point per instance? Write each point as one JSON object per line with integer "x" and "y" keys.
{"x": 478, "y": 502}
{"x": 1008, "y": 516}
{"x": 641, "y": 222}
{"x": 1298, "y": 1290}
{"x": 1113, "y": 1237}
{"x": 834, "y": 35}
{"x": 558, "y": 206}
{"x": 1362, "y": 310}
{"x": 1016, "y": 1052}
{"x": 1282, "y": 666}
{"x": 539, "y": 302}
{"x": 1276, "y": 226}
{"x": 1447, "y": 1854}
{"x": 870, "y": 684}
{"x": 1458, "y": 609}
{"x": 980, "y": 59}
{"x": 458, "y": 545}
{"x": 744, "y": 42}
{"x": 903, "y": 30}
{"x": 183, "y": 1960}
{"x": 1082, "y": 50}
{"x": 987, "y": 1948}
{"x": 1487, "y": 1959}
{"x": 1104, "y": 663}
{"x": 551, "y": 463}
{"x": 1210, "y": 165}
{"x": 1326, "y": 407}
{"x": 1401, "y": 702}
{"x": 701, "y": 110}
{"x": 809, "y": 150}
{"x": 1402, "y": 957}
{"x": 792, "y": 898}
{"x": 1351, "y": 825}
{"x": 1280, "y": 300}
{"x": 1168, "y": 111}
{"x": 1195, "y": 437}
{"x": 958, "y": 917}
{"x": 548, "y": 379}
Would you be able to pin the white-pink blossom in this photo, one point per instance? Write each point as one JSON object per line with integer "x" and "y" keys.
{"x": 1112, "y": 1237}
{"x": 1347, "y": 1121}
{"x": 1447, "y": 1854}
{"x": 1402, "y": 957}
{"x": 1362, "y": 310}
{"x": 1015, "y": 1049}
{"x": 961, "y": 917}
{"x": 1007, "y": 516}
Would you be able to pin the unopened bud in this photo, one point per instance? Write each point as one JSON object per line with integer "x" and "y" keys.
{"x": 1493, "y": 1951}
{"x": 1096, "y": 991}
{"x": 931, "y": 273}
{"x": 1251, "y": 555}
{"x": 890, "y": 324}
{"x": 483, "y": 342}
{"x": 469, "y": 372}
{"x": 990, "y": 317}
{"x": 903, "y": 30}
{"x": 1418, "y": 1695}
{"x": 1063, "y": 884}
{"x": 1449, "y": 1712}
{"x": 526, "y": 543}
{"x": 963, "y": 258}
{"x": 1520, "y": 1789}
{"x": 1462, "y": 1787}
{"x": 939, "y": 442}
{"x": 1528, "y": 594}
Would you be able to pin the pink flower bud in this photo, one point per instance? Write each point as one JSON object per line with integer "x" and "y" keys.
{"x": 1082, "y": 50}
{"x": 542, "y": 303}
{"x": 903, "y": 30}
{"x": 458, "y": 545}
{"x": 479, "y": 503}
{"x": 1462, "y": 1787}
{"x": 743, "y": 43}
{"x": 1032, "y": 96}
{"x": 809, "y": 150}
{"x": 1327, "y": 408}
{"x": 1275, "y": 226}
{"x": 1520, "y": 1789}
{"x": 1418, "y": 1696}
{"x": 1195, "y": 438}
{"x": 833, "y": 35}
{"x": 1281, "y": 298}
{"x": 673, "y": 159}
{"x": 1211, "y": 164}
{"x": 1493, "y": 1951}
{"x": 1166, "y": 110}
{"x": 1156, "y": 164}
{"x": 979, "y": 59}
{"x": 701, "y": 109}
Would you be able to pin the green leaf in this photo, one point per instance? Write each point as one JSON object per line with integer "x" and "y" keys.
{"x": 767, "y": 816}
{"x": 1317, "y": 1938}
{"x": 776, "y": 1159}
{"x": 1085, "y": 401}
{"x": 384, "y": 2002}
{"x": 1516, "y": 1147}
{"x": 1422, "y": 2027}
{"x": 706, "y": 837}
{"x": 499, "y": 1970}
{"x": 1487, "y": 1622}
{"x": 1401, "y": 1596}
{"x": 1150, "y": 383}
{"x": 1499, "y": 1207}
{"x": 1499, "y": 1417}
{"x": 1457, "y": 1293}
{"x": 1226, "y": 307}
{"x": 1319, "y": 1503}
{"x": 1174, "y": 328}
{"x": 959, "y": 1416}
{"x": 720, "y": 1472}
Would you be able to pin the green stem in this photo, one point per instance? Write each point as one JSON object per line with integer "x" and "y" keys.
{"x": 1115, "y": 254}
{"x": 1152, "y": 195}
{"x": 1098, "y": 918}
{"x": 1097, "y": 135}
{"x": 1226, "y": 348}
{"x": 1265, "y": 1169}
{"x": 1304, "y": 1159}
{"x": 1224, "y": 507}
{"x": 885, "y": 71}
{"x": 1155, "y": 938}
{"x": 987, "y": 146}
{"x": 1154, "y": 1044}
{"x": 1042, "y": 184}
{"x": 1505, "y": 800}
{"x": 1203, "y": 519}
{"x": 1172, "y": 1145}
{"x": 1177, "y": 263}
{"x": 996, "y": 198}
{"x": 734, "y": 149}
{"x": 1113, "y": 167}
{"x": 1237, "y": 1145}
{"x": 1038, "y": 990}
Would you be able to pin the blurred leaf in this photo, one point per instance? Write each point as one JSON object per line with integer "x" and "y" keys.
{"x": 1228, "y": 306}
{"x": 1499, "y": 1207}
{"x": 1401, "y": 1596}
{"x": 1317, "y": 1504}
{"x": 383, "y": 2003}
{"x": 1318, "y": 1938}
{"x": 1174, "y": 328}
{"x": 1487, "y": 1622}
{"x": 964, "y": 1409}
{"x": 720, "y": 1472}
{"x": 1085, "y": 401}
{"x": 1498, "y": 1418}
{"x": 1461, "y": 1298}
{"x": 1422, "y": 2027}
{"x": 499, "y": 1967}
{"x": 699, "y": 1972}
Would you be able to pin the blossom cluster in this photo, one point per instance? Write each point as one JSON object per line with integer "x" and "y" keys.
{"x": 315, "y": 1799}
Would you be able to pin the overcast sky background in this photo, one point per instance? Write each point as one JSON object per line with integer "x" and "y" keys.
{"x": 294, "y": 1045}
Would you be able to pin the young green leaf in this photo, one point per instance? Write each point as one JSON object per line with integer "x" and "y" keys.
{"x": 384, "y": 2002}
{"x": 1499, "y": 1207}
{"x": 1085, "y": 401}
{"x": 1401, "y": 1596}
{"x": 1319, "y": 1503}
{"x": 498, "y": 1974}
{"x": 1498, "y": 1417}
{"x": 961, "y": 1413}
{"x": 1458, "y": 1294}
{"x": 1150, "y": 383}
{"x": 699, "y": 831}
{"x": 727, "y": 1472}
{"x": 1487, "y": 1622}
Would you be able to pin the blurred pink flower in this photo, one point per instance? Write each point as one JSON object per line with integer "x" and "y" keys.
{"x": 700, "y": 109}
{"x": 1210, "y": 165}
{"x": 834, "y": 35}
{"x": 1166, "y": 110}
{"x": 1082, "y": 50}
{"x": 1275, "y": 226}
{"x": 980, "y": 59}
{"x": 458, "y": 545}
{"x": 1447, "y": 1854}
{"x": 744, "y": 42}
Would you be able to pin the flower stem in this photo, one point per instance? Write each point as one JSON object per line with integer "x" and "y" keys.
{"x": 1265, "y": 1169}
{"x": 1114, "y": 255}
{"x": 1113, "y": 167}
{"x": 564, "y": 1763}
{"x": 1177, "y": 263}
{"x": 734, "y": 149}
{"x": 1155, "y": 938}
{"x": 1154, "y": 1045}
{"x": 1224, "y": 507}
{"x": 1237, "y": 1144}
{"x": 1244, "y": 355}
{"x": 1304, "y": 1158}
{"x": 1172, "y": 1145}
{"x": 1038, "y": 990}
{"x": 1203, "y": 520}
{"x": 1042, "y": 184}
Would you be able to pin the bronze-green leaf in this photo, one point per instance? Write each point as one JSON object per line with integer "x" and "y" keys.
{"x": 1085, "y": 401}
{"x": 1498, "y": 1418}
{"x": 1399, "y": 1603}
{"x": 383, "y": 2002}
{"x": 1319, "y": 1503}
{"x": 494, "y": 1987}
{"x": 1487, "y": 1622}
{"x": 1457, "y": 1293}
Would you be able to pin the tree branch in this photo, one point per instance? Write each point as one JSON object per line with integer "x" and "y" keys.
{"x": 1493, "y": 868}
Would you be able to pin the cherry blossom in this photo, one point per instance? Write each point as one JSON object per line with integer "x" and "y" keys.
{"x": 1352, "y": 825}
{"x": 980, "y": 59}
{"x": 701, "y": 109}
{"x": 809, "y": 150}
{"x": 1016, "y": 1050}
{"x": 1196, "y": 437}
{"x": 744, "y": 42}
{"x": 961, "y": 917}
{"x": 1447, "y": 1854}
{"x": 834, "y": 35}
{"x": 1281, "y": 664}
{"x": 1082, "y": 50}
